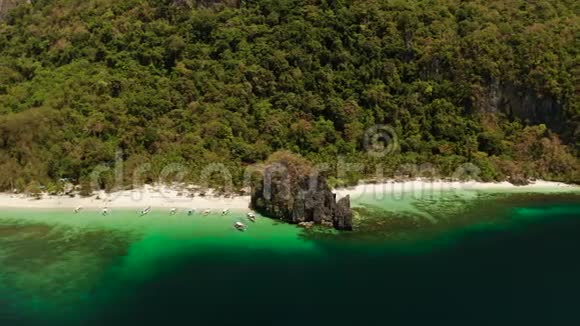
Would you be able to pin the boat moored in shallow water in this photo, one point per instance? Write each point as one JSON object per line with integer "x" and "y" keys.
{"x": 146, "y": 211}
{"x": 240, "y": 226}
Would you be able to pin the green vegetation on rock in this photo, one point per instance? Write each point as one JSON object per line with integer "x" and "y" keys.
{"x": 493, "y": 83}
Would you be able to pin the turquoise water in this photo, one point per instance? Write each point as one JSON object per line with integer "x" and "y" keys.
{"x": 476, "y": 258}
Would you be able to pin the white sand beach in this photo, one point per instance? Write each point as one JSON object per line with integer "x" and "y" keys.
{"x": 159, "y": 196}
{"x": 149, "y": 195}
{"x": 428, "y": 187}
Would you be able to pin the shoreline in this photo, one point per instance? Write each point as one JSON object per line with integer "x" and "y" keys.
{"x": 139, "y": 198}
{"x": 172, "y": 197}
{"x": 429, "y": 187}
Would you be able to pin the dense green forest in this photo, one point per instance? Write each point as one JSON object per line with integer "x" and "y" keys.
{"x": 164, "y": 82}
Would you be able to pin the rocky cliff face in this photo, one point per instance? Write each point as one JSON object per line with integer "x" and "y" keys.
{"x": 523, "y": 104}
{"x": 7, "y": 5}
{"x": 300, "y": 199}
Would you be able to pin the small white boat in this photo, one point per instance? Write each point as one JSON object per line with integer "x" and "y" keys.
{"x": 252, "y": 219}
{"x": 226, "y": 211}
{"x": 173, "y": 211}
{"x": 240, "y": 226}
{"x": 146, "y": 211}
{"x": 191, "y": 211}
{"x": 78, "y": 209}
{"x": 251, "y": 214}
{"x": 206, "y": 212}
{"x": 105, "y": 211}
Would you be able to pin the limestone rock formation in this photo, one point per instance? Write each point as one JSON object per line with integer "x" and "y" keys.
{"x": 286, "y": 194}
{"x": 522, "y": 103}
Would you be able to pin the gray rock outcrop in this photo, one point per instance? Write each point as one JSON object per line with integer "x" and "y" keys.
{"x": 523, "y": 104}
{"x": 300, "y": 199}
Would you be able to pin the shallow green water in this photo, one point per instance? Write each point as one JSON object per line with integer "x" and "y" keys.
{"x": 447, "y": 258}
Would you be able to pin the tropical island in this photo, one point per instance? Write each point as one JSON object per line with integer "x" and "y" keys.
{"x": 154, "y": 83}
{"x": 295, "y": 162}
